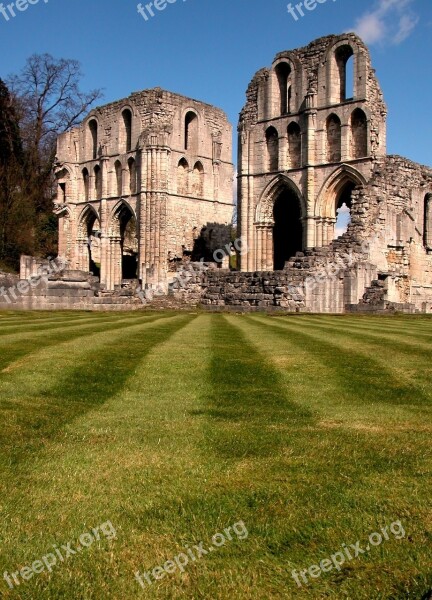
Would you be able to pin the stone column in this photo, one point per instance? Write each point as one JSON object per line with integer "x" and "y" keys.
{"x": 310, "y": 155}
{"x": 283, "y": 153}
{"x": 345, "y": 142}
{"x": 268, "y": 244}
{"x": 244, "y": 198}
{"x": 258, "y": 255}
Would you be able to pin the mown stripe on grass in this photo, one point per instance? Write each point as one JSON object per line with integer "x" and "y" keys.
{"x": 50, "y": 324}
{"x": 408, "y": 361}
{"x": 247, "y": 399}
{"x": 39, "y": 414}
{"x": 404, "y": 345}
{"x": 361, "y": 378}
{"x": 23, "y": 345}
{"x": 408, "y": 335}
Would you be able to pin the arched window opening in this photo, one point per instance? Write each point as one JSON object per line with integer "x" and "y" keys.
{"x": 93, "y": 128}
{"x": 427, "y": 227}
{"x": 182, "y": 177}
{"x": 90, "y": 231}
{"x": 288, "y": 228}
{"x": 343, "y": 209}
{"x": 345, "y": 66}
{"x": 98, "y": 182}
{"x": 191, "y": 132}
{"x": 283, "y": 74}
{"x": 126, "y": 231}
{"x": 272, "y": 139}
{"x": 132, "y": 176}
{"x": 86, "y": 184}
{"x": 334, "y": 139}
{"x": 119, "y": 178}
{"x": 62, "y": 192}
{"x": 359, "y": 136}
{"x": 349, "y": 78}
{"x": 198, "y": 180}
{"x": 127, "y": 130}
{"x": 294, "y": 146}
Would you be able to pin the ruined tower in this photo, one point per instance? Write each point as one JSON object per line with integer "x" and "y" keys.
{"x": 139, "y": 182}
{"x": 312, "y": 151}
{"x": 313, "y": 125}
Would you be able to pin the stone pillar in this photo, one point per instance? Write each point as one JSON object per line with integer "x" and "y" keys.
{"x": 153, "y": 253}
{"x": 311, "y": 115}
{"x": 245, "y": 199}
{"x": 259, "y": 248}
{"x": 283, "y": 153}
{"x": 268, "y": 244}
{"x": 104, "y": 270}
{"x": 345, "y": 142}
{"x": 104, "y": 174}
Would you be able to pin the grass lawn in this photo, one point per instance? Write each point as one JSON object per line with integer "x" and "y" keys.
{"x": 126, "y": 440}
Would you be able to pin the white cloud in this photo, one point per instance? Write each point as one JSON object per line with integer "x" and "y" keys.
{"x": 343, "y": 220}
{"x": 392, "y": 21}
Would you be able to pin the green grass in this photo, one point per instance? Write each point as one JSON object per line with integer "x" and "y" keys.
{"x": 314, "y": 431}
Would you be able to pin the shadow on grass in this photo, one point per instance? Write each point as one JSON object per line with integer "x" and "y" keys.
{"x": 95, "y": 378}
{"x": 68, "y": 332}
{"x": 249, "y": 408}
{"x": 361, "y": 378}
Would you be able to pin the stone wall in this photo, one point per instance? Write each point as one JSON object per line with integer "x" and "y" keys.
{"x": 156, "y": 159}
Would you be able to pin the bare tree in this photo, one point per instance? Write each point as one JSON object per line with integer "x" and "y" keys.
{"x": 50, "y": 102}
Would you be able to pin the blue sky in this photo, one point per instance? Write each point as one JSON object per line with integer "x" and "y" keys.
{"x": 210, "y": 49}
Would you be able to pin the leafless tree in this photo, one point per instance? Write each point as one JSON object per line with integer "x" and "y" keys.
{"x": 49, "y": 101}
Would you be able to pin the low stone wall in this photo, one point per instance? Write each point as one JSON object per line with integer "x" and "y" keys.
{"x": 68, "y": 290}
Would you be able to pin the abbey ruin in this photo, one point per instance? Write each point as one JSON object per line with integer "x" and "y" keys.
{"x": 145, "y": 189}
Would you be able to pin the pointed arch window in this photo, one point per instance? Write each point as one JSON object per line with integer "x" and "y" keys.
{"x": 334, "y": 139}
{"x": 272, "y": 140}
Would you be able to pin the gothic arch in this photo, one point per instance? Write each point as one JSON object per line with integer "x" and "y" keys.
{"x": 64, "y": 183}
{"x": 326, "y": 203}
{"x": 333, "y": 138}
{"x": 359, "y": 134}
{"x": 272, "y": 148}
{"x": 337, "y": 56}
{"x": 288, "y": 71}
{"x": 265, "y": 206}
{"x": 118, "y": 178}
{"x": 92, "y": 137}
{"x": 89, "y": 255}
{"x": 121, "y": 209}
{"x": 87, "y": 217}
{"x": 427, "y": 222}
{"x": 191, "y": 124}
{"x": 126, "y": 122}
{"x": 124, "y": 249}
{"x": 183, "y": 177}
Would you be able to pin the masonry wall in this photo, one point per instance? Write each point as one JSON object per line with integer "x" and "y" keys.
{"x": 157, "y": 159}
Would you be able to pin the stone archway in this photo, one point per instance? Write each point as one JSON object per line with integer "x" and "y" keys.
{"x": 123, "y": 245}
{"x": 287, "y": 228}
{"x": 336, "y": 194}
{"x": 279, "y": 226}
{"x": 89, "y": 245}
